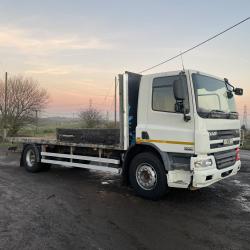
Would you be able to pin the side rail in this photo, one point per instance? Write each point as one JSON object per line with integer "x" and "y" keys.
{"x": 81, "y": 161}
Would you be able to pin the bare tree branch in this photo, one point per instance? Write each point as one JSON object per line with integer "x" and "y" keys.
{"x": 91, "y": 117}
{"x": 24, "y": 98}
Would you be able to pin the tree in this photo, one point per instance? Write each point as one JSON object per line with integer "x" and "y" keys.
{"x": 24, "y": 99}
{"x": 91, "y": 117}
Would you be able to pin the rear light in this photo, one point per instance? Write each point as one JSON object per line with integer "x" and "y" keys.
{"x": 237, "y": 154}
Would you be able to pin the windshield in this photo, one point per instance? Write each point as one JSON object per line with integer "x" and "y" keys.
{"x": 214, "y": 98}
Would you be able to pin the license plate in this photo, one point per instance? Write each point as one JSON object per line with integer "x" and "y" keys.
{"x": 228, "y": 141}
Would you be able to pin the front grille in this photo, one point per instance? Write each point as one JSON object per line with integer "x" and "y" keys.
{"x": 225, "y": 159}
{"x": 221, "y": 144}
{"x": 223, "y": 134}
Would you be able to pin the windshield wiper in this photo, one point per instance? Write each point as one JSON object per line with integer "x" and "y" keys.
{"x": 216, "y": 113}
{"x": 233, "y": 115}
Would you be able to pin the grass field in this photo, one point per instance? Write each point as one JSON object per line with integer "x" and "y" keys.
{"x": 46, "y": 127}
{"x": 45, "y": 130}
{"x": 245, "y": 140}
{"x": 246, "y": 145}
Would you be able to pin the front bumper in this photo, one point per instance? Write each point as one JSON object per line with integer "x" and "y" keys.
{"x": 203, "y": 177}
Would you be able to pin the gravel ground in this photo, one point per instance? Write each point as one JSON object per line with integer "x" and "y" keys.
{"x": 77, "y": 209}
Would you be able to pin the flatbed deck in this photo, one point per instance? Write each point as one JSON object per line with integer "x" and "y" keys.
{"x": 54, "y": 141}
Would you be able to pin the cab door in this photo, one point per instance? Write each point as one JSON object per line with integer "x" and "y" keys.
{"x": 165, "y": 126}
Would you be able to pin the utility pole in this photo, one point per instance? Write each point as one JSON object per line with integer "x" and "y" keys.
{"x": 5, "y": 107}
{"x": 36, "y": 120}
{"x": 244, "y": 126}
{"x": 115, "y": 100}
{"x": 245, "y": 117}
{"x": 107, "y": 115}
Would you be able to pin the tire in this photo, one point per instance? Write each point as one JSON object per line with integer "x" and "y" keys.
{"x": 148, "y": 176}
{"x": 31, "y": 159}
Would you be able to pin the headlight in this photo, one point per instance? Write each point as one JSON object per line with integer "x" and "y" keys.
{"x": 203, "y": 163}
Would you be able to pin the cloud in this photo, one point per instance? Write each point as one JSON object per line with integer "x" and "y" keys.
{"x": 50, "y": 71}
{"x": 25, "y": 42}
{"x": 48, "y": 68}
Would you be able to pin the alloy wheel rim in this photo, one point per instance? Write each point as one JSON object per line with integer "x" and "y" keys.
{"x": 30, "y": 158}
{"x": 146, "y": 176}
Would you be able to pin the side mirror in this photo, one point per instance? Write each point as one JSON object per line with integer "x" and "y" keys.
{"x": 179, "y": 90}
{"x": 238, "y": 91}
{"x": 180, "y": 95}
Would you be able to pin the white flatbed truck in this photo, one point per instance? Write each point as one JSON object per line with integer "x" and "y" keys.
{"x": 177, "y": 129}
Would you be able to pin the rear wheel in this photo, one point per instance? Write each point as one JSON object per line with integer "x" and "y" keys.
{"x": 31, "y": 159}
{"x": 147, "y": 176}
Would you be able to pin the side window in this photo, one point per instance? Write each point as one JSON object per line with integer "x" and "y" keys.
{"x": 163, "y": 95}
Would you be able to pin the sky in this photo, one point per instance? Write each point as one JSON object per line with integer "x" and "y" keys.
{"x": 75, "y": 48}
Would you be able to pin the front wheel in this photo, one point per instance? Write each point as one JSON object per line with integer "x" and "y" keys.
{"x": 147, "y": 176}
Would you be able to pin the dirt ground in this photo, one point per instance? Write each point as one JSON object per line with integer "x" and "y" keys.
{"x": 77, "y": 209}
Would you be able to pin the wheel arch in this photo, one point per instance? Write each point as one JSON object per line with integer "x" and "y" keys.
{"x": 139, "y": 148}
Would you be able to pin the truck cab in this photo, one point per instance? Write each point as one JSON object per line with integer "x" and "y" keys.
{"x": 190, "y": 119}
